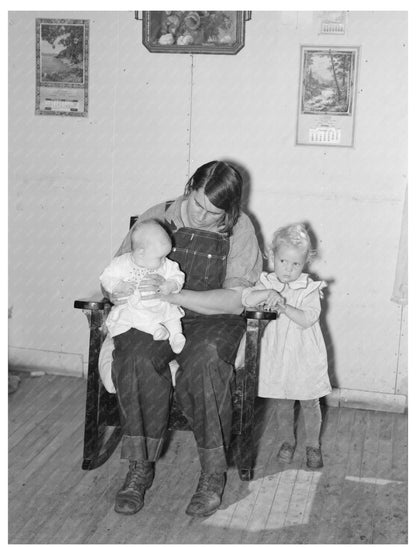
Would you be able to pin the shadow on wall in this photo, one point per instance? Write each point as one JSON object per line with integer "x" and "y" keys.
{"x": 327, "y": 336}
{"x": 245, "y": 202}
{"x": 324, "y": 308}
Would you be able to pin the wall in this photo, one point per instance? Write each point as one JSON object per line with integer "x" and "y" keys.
{"x": 153, "y": 118}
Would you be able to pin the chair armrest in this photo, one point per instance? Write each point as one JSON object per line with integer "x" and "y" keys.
{"x": 92, "y": 304}
{"x": 257, "y": 314}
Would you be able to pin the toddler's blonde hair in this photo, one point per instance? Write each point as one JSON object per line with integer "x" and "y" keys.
{"x": 294, "y": 235}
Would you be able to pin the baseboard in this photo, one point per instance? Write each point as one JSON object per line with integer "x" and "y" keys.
{"x": 370, "y": 400}
{"x": 70, "y": 364}
{"x": 50, "y": 362}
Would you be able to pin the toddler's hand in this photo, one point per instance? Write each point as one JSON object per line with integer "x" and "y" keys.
{"x": 281, "y": 304}
{"x": 274, "y": 299}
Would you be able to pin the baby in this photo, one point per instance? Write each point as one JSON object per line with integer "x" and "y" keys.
{"x": 150, "y": 246}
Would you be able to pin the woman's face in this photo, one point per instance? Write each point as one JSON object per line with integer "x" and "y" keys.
{"x": 202, "y": 214}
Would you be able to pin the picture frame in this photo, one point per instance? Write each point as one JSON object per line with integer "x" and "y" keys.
{"x": 62, "y": 66}
{"x": 327, "y": 95}
{"x": 194, "y": 32}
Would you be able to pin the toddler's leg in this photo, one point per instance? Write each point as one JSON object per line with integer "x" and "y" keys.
{"x": 176, "y": 338}
{"x": 313, "y": 421}
{"x": 286, "y": 429}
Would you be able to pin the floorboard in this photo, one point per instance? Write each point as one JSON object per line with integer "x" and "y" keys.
{"x": 358, "y": 497}
{"x": 28, "y": 426}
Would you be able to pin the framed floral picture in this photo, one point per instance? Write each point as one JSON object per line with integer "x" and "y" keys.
{"x": 327, "y": 95}
{"x": 62, "y": 67}
{"x": 198, "y": 32}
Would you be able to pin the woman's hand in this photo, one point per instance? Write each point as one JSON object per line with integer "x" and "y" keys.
{"x": 156, "y": 286}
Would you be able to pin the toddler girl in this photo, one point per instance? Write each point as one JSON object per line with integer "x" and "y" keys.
{"x": 293, "y": 362}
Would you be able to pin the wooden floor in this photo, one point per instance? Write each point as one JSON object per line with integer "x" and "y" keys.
{"x": 359, "y": 497}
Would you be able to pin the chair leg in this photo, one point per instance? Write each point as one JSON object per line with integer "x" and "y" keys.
{"x": 97, "y": 449}
{"x": 244, "y": 456}
{"x": 244, "y": 442}
{"x": 94, "y": 460}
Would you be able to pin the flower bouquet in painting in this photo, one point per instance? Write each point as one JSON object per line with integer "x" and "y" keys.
{"x": 206, "y": 32}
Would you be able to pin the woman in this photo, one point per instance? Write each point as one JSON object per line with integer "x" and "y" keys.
{"x": 216, "y": 247}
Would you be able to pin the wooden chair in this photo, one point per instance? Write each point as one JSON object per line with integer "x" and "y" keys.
{"x": 102, "y": 431}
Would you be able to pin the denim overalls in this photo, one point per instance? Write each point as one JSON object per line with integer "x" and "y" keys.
{"x": 141, "y": 373}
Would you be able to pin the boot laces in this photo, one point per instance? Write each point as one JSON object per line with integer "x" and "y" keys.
{"x": 139, "y": 474}
{"x": 210, "y": 482}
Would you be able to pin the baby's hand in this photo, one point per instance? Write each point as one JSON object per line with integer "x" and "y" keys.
{"x": 123, "y": 288}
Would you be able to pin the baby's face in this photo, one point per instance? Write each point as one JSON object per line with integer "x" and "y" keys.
{"x": 160, "y": 248}
{"x": 288, "y": 263}
{"x": 156, "y": 251}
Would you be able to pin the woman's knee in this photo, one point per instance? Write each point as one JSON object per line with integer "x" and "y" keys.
{"x": 131, "y": 343}
{"x": 202, "y": 354}
{"x": 202, "y": 370}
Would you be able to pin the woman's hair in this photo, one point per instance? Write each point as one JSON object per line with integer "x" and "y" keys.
{"x": 295, "y": 235}
{"x": 222, "y": 185}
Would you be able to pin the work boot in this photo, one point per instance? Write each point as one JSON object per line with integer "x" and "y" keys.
{"x": 130, "y": 499}
{"x": 207, "y": 498}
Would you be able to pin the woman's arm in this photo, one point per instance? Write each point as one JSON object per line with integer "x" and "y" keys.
{"x": 267, "y": 297}
{"x": 216, "y": 301}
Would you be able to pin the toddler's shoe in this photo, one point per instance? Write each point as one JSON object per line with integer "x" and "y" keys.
{"x": 178, "y": 343}
{"x": 286, "y": 452}
{"x": 314, "y": 457}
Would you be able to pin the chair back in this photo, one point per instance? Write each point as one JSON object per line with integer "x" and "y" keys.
{"x": 133, "y": 220}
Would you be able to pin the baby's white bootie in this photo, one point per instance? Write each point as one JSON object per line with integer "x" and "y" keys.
{"x": 177, "y": 343}
{"x": 161, "y": 333}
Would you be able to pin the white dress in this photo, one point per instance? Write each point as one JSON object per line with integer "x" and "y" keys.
{"x": 293, "y": 360}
